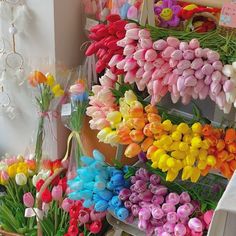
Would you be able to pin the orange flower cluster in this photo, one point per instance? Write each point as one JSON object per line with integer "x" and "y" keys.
{"x": 223, "y": 147}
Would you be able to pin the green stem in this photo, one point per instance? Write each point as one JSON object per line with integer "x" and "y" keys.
{"x": 39, "y": 141}
{"x": 55, "y": 216}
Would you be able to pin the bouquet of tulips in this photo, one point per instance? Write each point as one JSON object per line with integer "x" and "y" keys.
{"x": 16, "y": 176}
{"x": 48, "y": 91}
{"x": 79, "y": 102}
{"x": 47, "y": 205}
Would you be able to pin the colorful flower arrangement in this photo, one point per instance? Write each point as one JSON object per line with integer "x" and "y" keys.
{"x": 193, "y": 149}
{"x": 48, "y": 91}
{"x": 16, "y": 175}
{"x": 47, "y": 205}
{"x": 134, "y": 194}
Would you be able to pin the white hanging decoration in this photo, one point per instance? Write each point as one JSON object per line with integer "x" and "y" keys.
{"x": 20, "y": 76}
{"x": 5, "y": 104}
{"x": 4, "y": 76}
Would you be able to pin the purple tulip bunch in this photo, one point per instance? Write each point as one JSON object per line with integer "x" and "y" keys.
{"x": 161, "y": 212}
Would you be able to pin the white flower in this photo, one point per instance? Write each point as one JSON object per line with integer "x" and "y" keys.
{"x": 21, "y": 179}
{"x": 43, "y": 174}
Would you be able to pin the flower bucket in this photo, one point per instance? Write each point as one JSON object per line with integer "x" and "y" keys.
{"x": 90, "y": 142}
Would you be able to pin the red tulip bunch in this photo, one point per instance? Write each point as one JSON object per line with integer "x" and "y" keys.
{"x": 81, "y": 217}
{"x": 104, "y": 45}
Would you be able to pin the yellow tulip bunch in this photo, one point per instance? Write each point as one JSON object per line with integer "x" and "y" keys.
{"x": 180, "y": 147}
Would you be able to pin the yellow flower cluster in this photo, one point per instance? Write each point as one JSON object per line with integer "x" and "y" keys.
{"x": 181, "y": 147}
{"x": 18, "y": 169}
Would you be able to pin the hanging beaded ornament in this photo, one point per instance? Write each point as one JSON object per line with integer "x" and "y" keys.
{"x": 5, "y": 104}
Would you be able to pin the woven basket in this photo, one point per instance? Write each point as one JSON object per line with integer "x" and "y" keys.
{"x": 90, "y": 142}
{"x": 4, "y": 233}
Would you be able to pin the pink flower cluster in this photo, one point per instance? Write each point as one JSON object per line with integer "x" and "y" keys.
{"x": 161, "y": 212}
{"x": 102, "y": 102}
{"x": 184, "y": 69}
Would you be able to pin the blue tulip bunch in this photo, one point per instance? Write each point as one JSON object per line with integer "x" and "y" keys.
{"x": 99, "y": 185}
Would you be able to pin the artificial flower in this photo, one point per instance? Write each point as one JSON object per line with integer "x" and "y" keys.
{"x": 74, "y": 211}
{"x": 83, "y": 216}
{"x": 22, "y": 168}
{"x": 36, "y": 78}
{"x": 39, "y": 184}
{"x": 57, "y": 193}
{"x": 21, "y": 179}
{"x": 50, "y": 80}
{"x": 78, "y": 87}
{"x": 95, "y": 227}
{"x": 63, "y": 183}
{"x": 46, "y": 196}
{"x": 57, "y": 90}
{"x": 73, "y": 230}
{"x": 3, "y": 177}
{"x": 11, "y": 170}
{"x": 67, "y": 204}
{"x": 28, "y": 199}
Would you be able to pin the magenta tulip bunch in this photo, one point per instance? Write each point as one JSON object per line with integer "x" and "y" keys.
{"x": 161, "y": 212}
{"x": 184, "y": 69}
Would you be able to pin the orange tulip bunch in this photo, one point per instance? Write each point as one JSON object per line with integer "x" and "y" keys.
{"x": 223, "y": 147}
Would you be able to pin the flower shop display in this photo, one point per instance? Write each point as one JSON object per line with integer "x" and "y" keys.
{"x": 190, "y": 147}
{"x": 139, "y": 196}
{"x": 49, "y": 91}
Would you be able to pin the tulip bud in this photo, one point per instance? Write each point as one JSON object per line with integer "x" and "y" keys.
{"x": 57, "y": 193}
{"x": 83, "y": 217}
{"x": 180, "y": 230}
{"x": 132, "y": 150}
{"x": 195, "y": 224}
{"x": 21, "y": 179}
{"x": 28, "y": 200}
{"x": 66, "y": 204}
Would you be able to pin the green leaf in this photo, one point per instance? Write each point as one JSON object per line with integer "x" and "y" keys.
{"x": 117, "y": 164}
{"x": 196, "y": 111}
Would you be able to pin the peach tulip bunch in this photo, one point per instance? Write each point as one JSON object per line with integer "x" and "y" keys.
{"x": 130, "y": 125}
{"x": 182, "y": 68}
{"x": 102, "y": 102}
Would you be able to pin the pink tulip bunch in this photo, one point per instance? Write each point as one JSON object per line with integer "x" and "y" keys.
{"x": 161, "y": 212}
{"x": 102, "y": 102}
{"x": 184, "y": 69}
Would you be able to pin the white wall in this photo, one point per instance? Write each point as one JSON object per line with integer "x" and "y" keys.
{"x": 54, "y": 34}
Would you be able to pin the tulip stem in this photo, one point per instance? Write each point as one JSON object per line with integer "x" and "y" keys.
{"x": 39, "y": 141}
{"x": 55, "y": 216}
{"x": 62, "y": 220}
